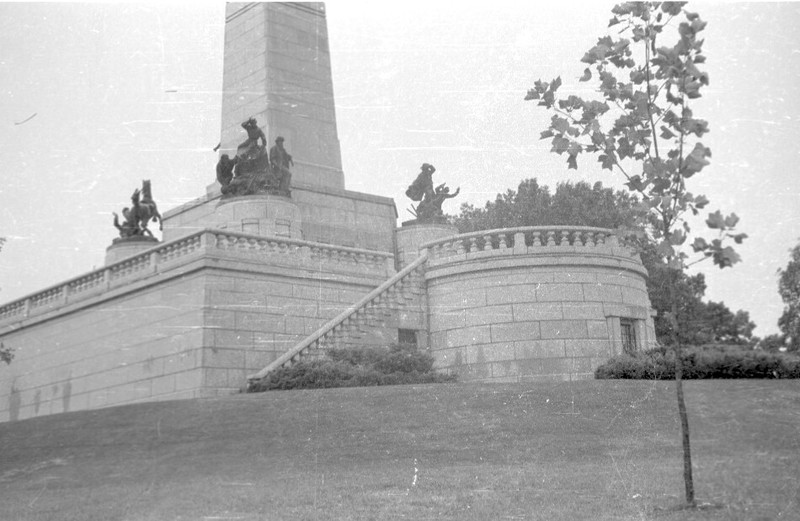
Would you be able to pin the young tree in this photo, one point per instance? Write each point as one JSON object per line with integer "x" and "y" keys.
{"x": 789, "y": 289}
{"x": 643, "y": 127}
{"x": 6, "y": 353}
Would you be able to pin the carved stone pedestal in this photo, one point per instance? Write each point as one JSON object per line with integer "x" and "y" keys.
{"x": 414, "y": 234}
{"x": 123, "y": 247}
{"x": 261, "y": 214}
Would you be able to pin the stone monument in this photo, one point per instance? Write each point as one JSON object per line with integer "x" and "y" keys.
{"x": 287, "y": 262}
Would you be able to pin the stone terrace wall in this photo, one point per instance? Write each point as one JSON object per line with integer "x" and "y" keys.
{"x": 139, "y": 345}
{"x": 533, "y": 303}
{"x": 184, "y": 319}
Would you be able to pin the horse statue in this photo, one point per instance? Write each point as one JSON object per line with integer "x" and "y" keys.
{"x": 145, "y": 209}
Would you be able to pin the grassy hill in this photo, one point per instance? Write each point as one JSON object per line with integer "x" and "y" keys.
{"x": 597, "y": 450}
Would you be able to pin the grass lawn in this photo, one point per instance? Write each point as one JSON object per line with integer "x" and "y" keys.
{"x": 591, "y": 450}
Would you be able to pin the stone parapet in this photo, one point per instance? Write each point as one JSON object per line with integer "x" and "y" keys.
{"x": 161, "y": 260}
{"x": 529, "y": 240}
{"x": 411, "y": 237}
{"x": 533, "y": 303}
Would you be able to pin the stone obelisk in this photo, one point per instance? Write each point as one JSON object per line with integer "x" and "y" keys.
{"x": 277, "y": 69}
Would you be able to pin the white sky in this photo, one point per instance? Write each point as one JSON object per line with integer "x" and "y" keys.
{"x": 415, "y": 82}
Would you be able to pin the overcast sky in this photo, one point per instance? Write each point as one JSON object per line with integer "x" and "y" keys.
{"x": 97, "y": 97}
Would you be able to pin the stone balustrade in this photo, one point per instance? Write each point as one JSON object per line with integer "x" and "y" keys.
{"x": 521, "y": 241}
{"x": 167, "y": 256}
{"x": 365, "y": 261}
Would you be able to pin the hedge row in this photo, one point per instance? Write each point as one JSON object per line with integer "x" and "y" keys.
{"x": 701, "y": 363}
{"x": 355, "y": 367}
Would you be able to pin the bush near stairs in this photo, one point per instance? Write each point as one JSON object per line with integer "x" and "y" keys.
{"x": 355, "y": 367}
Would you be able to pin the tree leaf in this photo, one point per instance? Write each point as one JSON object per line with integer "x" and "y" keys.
{"x": 739, "y": 237}
{"x": 672, "y": 8}
{"x": 560, "y": 145}
{"x": 572, "y": 162}
{"x": 700, "y": 201}
{"x": 607, "y": 161}
{"x": 699, "y": 244}
{"x": 532, "y": 94}
{"x": 716, "y": 221}
{"x": 677, "y": 238}
{"x": 559, "y": 124}
{"x": 587, "y": 75}
{"x": 696, "y": 160}
{"x": 635, "y": 183}
{"x": 731, "y": 220}
{"x": 726, "y": 257}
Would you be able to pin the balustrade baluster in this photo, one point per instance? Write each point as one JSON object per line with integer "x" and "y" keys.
{"x": 473, "y": 244}
{"x": 519, "y": 242}
{"x": 551, "y": 238}
{"x": 601, "y": 238}
{"x": 503, "y": 244}
{"x": 576, "y": 239}
{"x": 537, "y": 239}
{"x": 590, "y": 239}
{"x": 564, "y": 238}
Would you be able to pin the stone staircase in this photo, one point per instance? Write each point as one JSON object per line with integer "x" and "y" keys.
{"x": 363, "y": 323}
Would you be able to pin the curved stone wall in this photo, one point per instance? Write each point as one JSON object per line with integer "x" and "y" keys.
{"x": 534, "y": 303}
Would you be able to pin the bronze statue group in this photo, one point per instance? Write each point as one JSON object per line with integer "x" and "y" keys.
{"x": 143, "y": 209}
{"x": 430, "y": 199}
{"x": 253, "y": 170}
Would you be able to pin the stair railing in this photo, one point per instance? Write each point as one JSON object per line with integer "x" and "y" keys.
{"x": 331, "y": 325}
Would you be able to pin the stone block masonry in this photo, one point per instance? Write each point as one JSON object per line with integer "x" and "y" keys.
{"x": 532, "y": 303}
{"x": 188, "y": 318}
{"x": 142, "y": 346}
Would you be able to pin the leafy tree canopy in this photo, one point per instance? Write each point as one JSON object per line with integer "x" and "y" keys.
{"x": 789, "y": 289}
{"x": 582, "y": 204}
{"x": 532, "y": 204}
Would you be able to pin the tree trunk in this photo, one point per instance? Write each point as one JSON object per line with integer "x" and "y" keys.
{"x": 688, "y": 480}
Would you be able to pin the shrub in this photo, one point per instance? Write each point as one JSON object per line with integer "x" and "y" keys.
{"x": 355, "y": 367}
{"x": 712, "y": 361}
